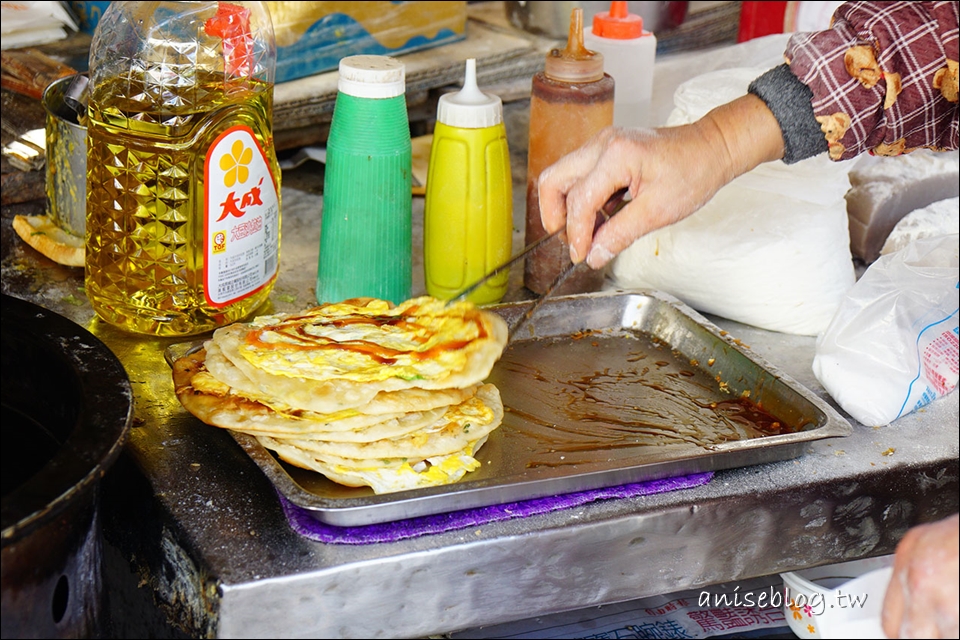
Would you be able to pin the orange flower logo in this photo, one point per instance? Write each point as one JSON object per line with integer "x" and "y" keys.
{"x": 234, "y": 165}
{"x": 796, "y": 610}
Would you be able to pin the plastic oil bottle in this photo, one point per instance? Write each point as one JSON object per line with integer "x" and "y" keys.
{"x": 183, "y": 186}
{"x": 366, "y": 233}
{"x": 468, "y": 208}
{"x": 570, "y": 101}
{"x": 629, "y": 53}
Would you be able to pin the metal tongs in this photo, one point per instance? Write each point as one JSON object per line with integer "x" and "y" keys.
{"x": 614, "y": 204}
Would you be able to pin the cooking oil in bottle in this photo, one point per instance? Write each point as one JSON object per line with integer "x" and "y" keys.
{"x": 183, "y": 185}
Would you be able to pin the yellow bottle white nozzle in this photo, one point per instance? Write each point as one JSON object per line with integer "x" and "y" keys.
{"x": 468, "y": 204}
{"x": 470, "y": 108}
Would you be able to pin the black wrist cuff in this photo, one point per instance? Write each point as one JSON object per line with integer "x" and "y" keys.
{"x": 791, "y": 103}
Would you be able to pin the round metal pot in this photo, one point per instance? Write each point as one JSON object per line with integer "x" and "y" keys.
{"x": 67, "y": 406}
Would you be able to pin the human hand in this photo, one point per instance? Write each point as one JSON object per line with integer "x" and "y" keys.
{"x": 922, "y": 599}
{"x": 670, "y": 173}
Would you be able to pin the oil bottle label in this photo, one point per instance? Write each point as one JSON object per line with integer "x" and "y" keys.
{"x": 242, "y": 218}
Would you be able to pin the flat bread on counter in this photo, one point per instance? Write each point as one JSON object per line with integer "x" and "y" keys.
{"x": 367, "y": 393}
{"x": 46, "y": 236}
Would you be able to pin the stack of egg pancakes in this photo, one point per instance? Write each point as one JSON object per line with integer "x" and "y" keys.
{"x": 362, "y": 391}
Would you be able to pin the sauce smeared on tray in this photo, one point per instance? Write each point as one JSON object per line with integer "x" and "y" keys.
{"x": 619, "y": 394}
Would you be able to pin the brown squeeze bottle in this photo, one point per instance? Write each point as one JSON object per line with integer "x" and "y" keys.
{"x": 571, "y": 100}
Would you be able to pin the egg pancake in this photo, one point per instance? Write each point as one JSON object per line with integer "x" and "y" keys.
{"x": 458, "y": 426}
{"x": 214, "y": 403}
{"x": 366, "y": 393}
{"x": 339, "y": 356}
{"x": 385, "y": 476}
{"x": 353, "y": 396}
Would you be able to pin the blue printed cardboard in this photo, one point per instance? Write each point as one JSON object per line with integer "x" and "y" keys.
{"x": 312, "y": 37}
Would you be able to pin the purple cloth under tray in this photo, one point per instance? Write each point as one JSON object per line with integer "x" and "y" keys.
{"x": 306, "y": 525}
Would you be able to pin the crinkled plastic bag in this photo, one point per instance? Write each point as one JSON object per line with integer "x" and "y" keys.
{"x": 892, "y": 346}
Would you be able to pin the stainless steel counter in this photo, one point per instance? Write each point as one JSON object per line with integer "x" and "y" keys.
{"x": 193, "y": 521}
{"x": 202, "y": 527}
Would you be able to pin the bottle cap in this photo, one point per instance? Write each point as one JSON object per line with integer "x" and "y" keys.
{"x": 232, "y": 24}
{"x": 470, "y": 108}
{"x": 371, "y": 77}
{"x": 576, "y": 63}
{"x": 618, "y": 23}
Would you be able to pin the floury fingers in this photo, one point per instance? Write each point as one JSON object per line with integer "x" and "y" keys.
{"x": 367, "y": 393}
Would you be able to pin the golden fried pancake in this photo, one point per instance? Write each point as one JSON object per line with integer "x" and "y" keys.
{"x": 384, "y": 476}
{"x": 44, "y": 235}
{"x": 340, "y": 356}
{"x": 216, "y": 404}
{"x": 458, "y": 426}
{"x": 362, "y": 391}
{"x": 355, "y": 396}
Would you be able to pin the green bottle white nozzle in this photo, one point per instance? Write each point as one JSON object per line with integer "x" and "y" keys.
{"x": 470, "y": 108}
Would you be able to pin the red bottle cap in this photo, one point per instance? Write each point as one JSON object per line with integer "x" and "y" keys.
{"x": 232, "y": 24}
{"x": 618, "y": 23}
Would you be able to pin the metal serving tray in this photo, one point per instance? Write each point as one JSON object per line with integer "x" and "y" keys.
{"x": 599, "y": 390}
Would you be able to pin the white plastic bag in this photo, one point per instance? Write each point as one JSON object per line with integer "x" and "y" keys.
{"x": 892, "y": 346}
{"x": 771, "y": 249}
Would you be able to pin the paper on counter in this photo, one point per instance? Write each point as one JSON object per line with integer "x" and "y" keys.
{"x": 26, "y": 24}
{"x": 677, "y": 615}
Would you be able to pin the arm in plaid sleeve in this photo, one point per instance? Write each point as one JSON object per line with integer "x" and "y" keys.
{"x": 883, "y": 80}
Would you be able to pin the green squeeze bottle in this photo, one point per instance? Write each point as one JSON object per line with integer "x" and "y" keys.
{"x": 468, "y": 208}
{"x": 366, "y": 232}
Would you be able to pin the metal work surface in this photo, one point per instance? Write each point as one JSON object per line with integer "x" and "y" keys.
{"x": 602, "y": 390}
{"x": 202, "y": 526}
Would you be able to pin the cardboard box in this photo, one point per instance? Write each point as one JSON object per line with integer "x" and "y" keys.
{"x": 312, "y": 37}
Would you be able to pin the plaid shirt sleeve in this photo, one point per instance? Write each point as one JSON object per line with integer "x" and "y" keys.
{"x": 883, "y": 77}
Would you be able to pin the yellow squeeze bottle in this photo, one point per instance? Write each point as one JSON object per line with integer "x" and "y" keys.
{"x": 468, "y": 208}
